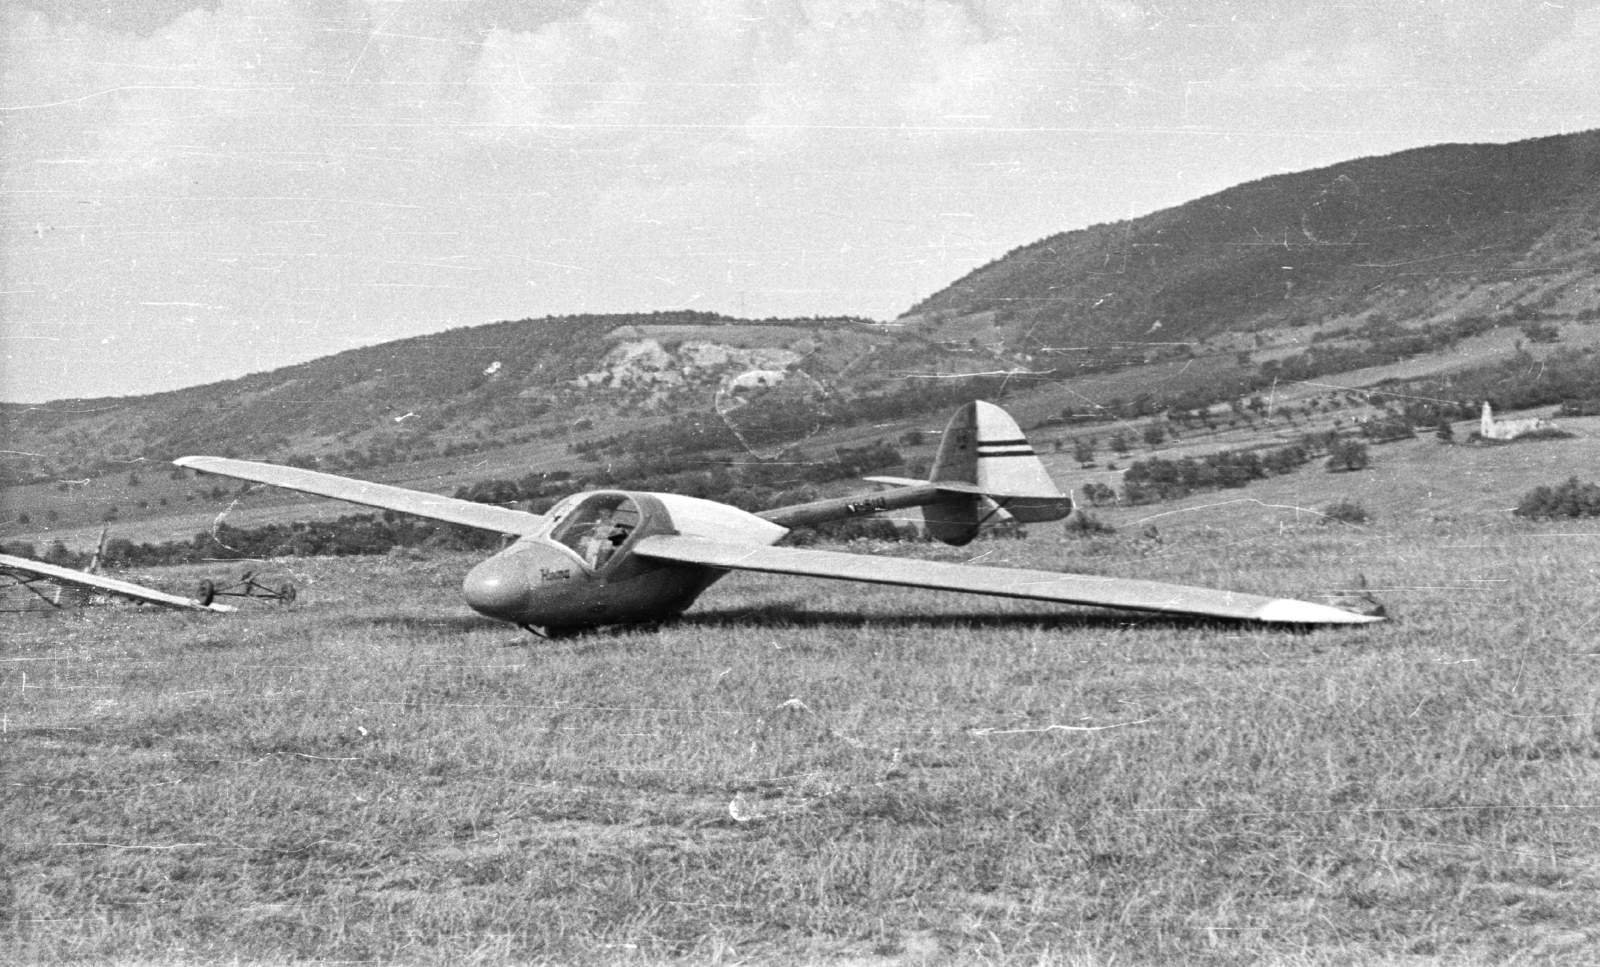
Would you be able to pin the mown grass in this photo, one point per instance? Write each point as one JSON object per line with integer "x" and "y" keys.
{"x": 375, "y": 775}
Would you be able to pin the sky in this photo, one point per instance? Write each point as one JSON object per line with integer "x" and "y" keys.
{"x": 191, "y": 190}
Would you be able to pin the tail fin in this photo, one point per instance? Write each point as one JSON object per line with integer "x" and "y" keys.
{"x": 984, "y": 455}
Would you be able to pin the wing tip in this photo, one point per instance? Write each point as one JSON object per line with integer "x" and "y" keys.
{"x": 1291, "y": 611}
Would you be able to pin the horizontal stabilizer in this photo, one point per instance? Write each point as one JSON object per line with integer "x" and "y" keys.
{"x": 1086, "y": 589}
{"x": 501, "y": 520}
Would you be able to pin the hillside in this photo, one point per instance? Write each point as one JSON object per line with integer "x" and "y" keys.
{"x": 481, "y": 388}
{"x": 1414, "y": 269}
{"x": 1420, "y": 235}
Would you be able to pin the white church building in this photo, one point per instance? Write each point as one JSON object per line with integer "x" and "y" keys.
{"x": 1492, "y": 429}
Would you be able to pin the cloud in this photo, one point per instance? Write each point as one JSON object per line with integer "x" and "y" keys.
{"x": 1361, "y": 64}
{"x": 1571, "y": 61}
{"x": 778, "y": 75}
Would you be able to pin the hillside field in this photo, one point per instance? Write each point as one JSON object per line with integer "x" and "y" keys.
{"x": 807, "y": 771}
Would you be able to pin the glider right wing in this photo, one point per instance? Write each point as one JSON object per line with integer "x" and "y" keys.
{"x": 451, "y": 510}
{"x": 1089, "y": 589}
{"x": 25, "y": 572}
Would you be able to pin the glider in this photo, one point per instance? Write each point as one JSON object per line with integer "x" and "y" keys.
{"x": 619, "y": 557}
{"x": 26, "y": 573}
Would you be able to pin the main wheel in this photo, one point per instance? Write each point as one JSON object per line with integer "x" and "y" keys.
{"x": 206, "y": 592}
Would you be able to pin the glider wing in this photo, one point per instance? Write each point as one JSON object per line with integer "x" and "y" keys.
{"x": 501, "y": 520}
{"x": 26, "y": 572}
{"x": 1087, "y": 589}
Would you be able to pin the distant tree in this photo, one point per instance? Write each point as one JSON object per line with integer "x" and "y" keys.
{"x": 1120, "y": 442}
{"x": 52, "y": 515}
{"x": 24, "y": 519}
{"x": 1083, "y": 450}
{"x": 1445, "y": 432}
{"x": 1348, "y": 455}
{"x": 133, "y": 479}
{"x": 1154, "y": 434}
{"x": 110, "y": 514}
{"x": 1098, "y": 494}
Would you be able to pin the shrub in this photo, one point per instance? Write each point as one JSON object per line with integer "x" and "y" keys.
{"x": 1099, "y": 493}
{"x": 1085, "y": 524}
{"x": 1571, "y": 499}
{"x": 1544, "y": 433}
{"x": 1345, "y": 511}
{"x": 1348, "y": 455}
{"x": 849, "y": 529}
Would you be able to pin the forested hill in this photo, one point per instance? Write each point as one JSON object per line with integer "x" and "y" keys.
{"x": 1408, "y": 233}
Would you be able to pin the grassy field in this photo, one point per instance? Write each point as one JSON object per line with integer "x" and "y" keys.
{"x": 808, "y": 771}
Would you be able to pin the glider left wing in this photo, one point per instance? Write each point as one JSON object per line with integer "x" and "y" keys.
{"x": 1086, "y": 589}
{"x": 451, "y": 510}
{"x": 26, "y": 571}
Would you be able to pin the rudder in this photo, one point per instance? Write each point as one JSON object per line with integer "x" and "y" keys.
{"x": 984, "y": 454}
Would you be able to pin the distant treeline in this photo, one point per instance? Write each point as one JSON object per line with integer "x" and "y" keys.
{"x": 1155, "y": 479}
{"x": 1570, "y": 378}
{"x": 1388, "y": 342}
{"x": 1571, "y": 499}
{"x": 750, "y": 485}
{"x": 351, "y": 534}
{"x": 1517, "y": 383}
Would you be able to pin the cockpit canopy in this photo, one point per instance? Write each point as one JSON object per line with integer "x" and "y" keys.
{"x": 597, "y": 525}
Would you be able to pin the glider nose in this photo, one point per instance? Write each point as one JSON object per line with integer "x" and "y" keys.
{"x": 498, "y": 588}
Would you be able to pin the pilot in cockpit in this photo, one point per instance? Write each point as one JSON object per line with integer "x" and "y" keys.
{"x": 605, "y": 535}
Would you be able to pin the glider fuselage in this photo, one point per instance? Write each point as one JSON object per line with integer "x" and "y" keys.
{"x": 580, "y": 570}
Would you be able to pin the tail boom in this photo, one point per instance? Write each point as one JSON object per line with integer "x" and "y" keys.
{"x": 985, "y": 470}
